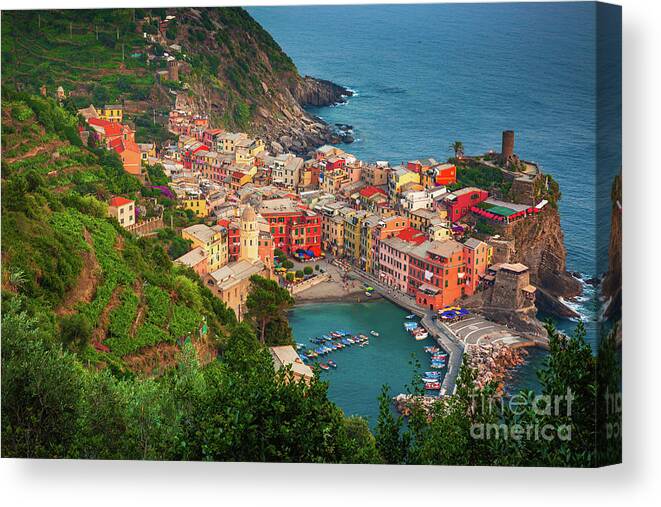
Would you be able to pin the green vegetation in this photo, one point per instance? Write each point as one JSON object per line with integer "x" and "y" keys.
{"x": 267, "y": 305}
{"x": 473, "y": 174}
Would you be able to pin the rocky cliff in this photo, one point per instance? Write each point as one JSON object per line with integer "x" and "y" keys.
{"x": 539, "y": 244}
{"x": 611, "y": 287}
{"x": 243, "y": 79}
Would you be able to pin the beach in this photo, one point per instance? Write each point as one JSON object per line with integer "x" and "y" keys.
{"x": 339, "y": 289}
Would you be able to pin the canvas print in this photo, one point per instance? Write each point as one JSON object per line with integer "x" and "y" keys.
{"x": 382, "y": 234}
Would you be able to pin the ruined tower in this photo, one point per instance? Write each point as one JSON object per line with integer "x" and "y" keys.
{"x": 173, "y": 70}
{"x": 507, "y": 151}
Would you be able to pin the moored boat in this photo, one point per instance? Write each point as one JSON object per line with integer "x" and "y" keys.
{"x": 432, "y": 386}
{"x": 332, "y": 363}
{"x": 323, "y": 366}
{"x": 374, "y": 333}
{"x": 433, "y": 374}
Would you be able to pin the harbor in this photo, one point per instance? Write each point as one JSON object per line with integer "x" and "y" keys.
{"x": 391, "y": 358}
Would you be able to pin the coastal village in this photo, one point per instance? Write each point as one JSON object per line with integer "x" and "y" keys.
{"x": 410, "y": 230}
{"x": 329, "y": 226}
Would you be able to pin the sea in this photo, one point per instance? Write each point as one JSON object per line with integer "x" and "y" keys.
{"x": 426, "y": 75}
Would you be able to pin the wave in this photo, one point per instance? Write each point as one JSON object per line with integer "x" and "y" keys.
{"x": 586, "y": 304}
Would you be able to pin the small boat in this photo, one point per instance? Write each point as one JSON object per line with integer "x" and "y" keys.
{"x": 368, "y": 294}
{"x": 429, "y": 379}
{"x": 374, "y": 333}
{"x": 432, "y": 386}
{"x": 421, "y": 335}
{"x": 410, "y": 326}
{"x": 412, "y": 316}
{"x": 323, "y": 366}
{"x": 432, "y": 349}
{"x": 311, "y": 354}
{"x": 438, "y": 366}
{"x": 363, "y": 344}
{"x": 332, "y": 363}
{"x": 433, "y": 374}
{"x": 300, "y": 346}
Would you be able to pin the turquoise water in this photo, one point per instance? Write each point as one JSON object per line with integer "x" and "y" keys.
{"x": 356, "y": 383}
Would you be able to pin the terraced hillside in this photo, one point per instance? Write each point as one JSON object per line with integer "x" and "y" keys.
{"x": 121, "y": 297}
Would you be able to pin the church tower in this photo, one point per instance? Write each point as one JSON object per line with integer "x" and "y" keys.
{"x": 249, "y": 235}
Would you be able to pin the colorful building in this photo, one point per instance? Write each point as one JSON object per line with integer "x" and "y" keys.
{"x": 293, "y": 227}
{"x": 213, "y": 240}
{"x": 123, "y": 210}
{"x": 460, "y": 202}
{"x": 113, "y": 113}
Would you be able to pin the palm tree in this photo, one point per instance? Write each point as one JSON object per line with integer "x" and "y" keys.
{"x": 458, "y": 148}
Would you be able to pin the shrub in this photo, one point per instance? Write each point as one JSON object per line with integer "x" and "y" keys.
{"x": 308, "y": 270}
{"x": 300, "y": 274}
{"x": 76, "y": 331}
{"x": 287, "y": 264}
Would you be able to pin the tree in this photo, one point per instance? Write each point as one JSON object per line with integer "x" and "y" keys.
{"x": 307, "y": 270}
{"x": 300, "y": 273}
{"x": 287, "y": 264}
{"x": 391, "y": 444}
{"x": 458, "y": 148}
{"x": 267, "y": 303}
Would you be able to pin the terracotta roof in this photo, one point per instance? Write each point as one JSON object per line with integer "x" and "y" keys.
{"x": 119, "y": 201}
{"x": 370, "y": 190}
{"x": 411, "y": 235}
{"x": 110, "y": 128}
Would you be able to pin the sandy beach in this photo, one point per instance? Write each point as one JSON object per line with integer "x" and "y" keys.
{"x": 337, "y": 289}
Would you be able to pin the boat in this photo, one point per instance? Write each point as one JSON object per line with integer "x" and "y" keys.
{"x": 432, "y": 386}
{"x": 429, "y": 379}
{"x": 300, "y": 346}
{"x": 374, "y": 333}
{"x": 303, "y": 357}
{"x": 438, "y": 366}
{"x": 433, "y": 374}
{"x": 311, "y": 354}
{"x": 412, "y": 316}
{"x": 323, "y": 366}
{"x": 410, "y": 326}
{"x": 332, "y": 363}
{"x": 422, "y": 335}
{"x": 432, "y": 349}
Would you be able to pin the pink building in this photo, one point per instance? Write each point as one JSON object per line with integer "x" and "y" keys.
{"x": 394, "y": 262}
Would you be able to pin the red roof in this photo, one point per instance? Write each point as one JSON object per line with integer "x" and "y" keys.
{"x": 110, "y": 128}
{"x": 411, "y": 235}
{"x": 370, "y": 190}
{"x": 119, "y": 201}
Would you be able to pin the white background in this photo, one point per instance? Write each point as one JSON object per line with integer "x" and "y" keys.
{"x": 636, "y": 482}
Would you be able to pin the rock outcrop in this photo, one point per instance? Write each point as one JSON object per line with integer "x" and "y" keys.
{"x": 611, "y": 287}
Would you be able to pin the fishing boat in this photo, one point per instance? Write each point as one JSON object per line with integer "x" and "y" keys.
{"x": 412, "y": 316}
{"x": 311, "y": 354}
{"x": 438, "y": 366}
{"x": 432, "y": 349}
{"x": 433, "y": 374}
{"x": 429, "y": 379}
{"x": 332, "y": 363}
{"x": 303, "y": 357}
{"x": 374, "y": 333}
{"x": 300, "y": 346}
{"x": 432, "y": 386}
{"x": 323, "y": 366}
{"x": 410, "y": 326}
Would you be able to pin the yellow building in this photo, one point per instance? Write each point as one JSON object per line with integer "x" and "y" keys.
{"x": 213, "y": 240}
{"x": 247, "y": 150}
{"x": 352, "y": 227}
{"x": 367, "y": 229}
{"x": 112, "y": 112}
{"x": 398, "y": 178}
{"x": 197, "y": 205}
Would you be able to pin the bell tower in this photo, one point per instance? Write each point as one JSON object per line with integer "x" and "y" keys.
{"x": 249, "y": 235}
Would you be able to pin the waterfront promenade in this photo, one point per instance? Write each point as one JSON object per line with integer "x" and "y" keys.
{"x": 441, "y": 333}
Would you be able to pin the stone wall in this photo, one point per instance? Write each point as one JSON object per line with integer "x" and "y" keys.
{"x": 146, "y": 227}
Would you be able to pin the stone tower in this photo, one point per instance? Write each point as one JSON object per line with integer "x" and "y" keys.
{"x": 249, "y": 235}
{"x": 508, "y": 145}
{"x": 173, "y": 70}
